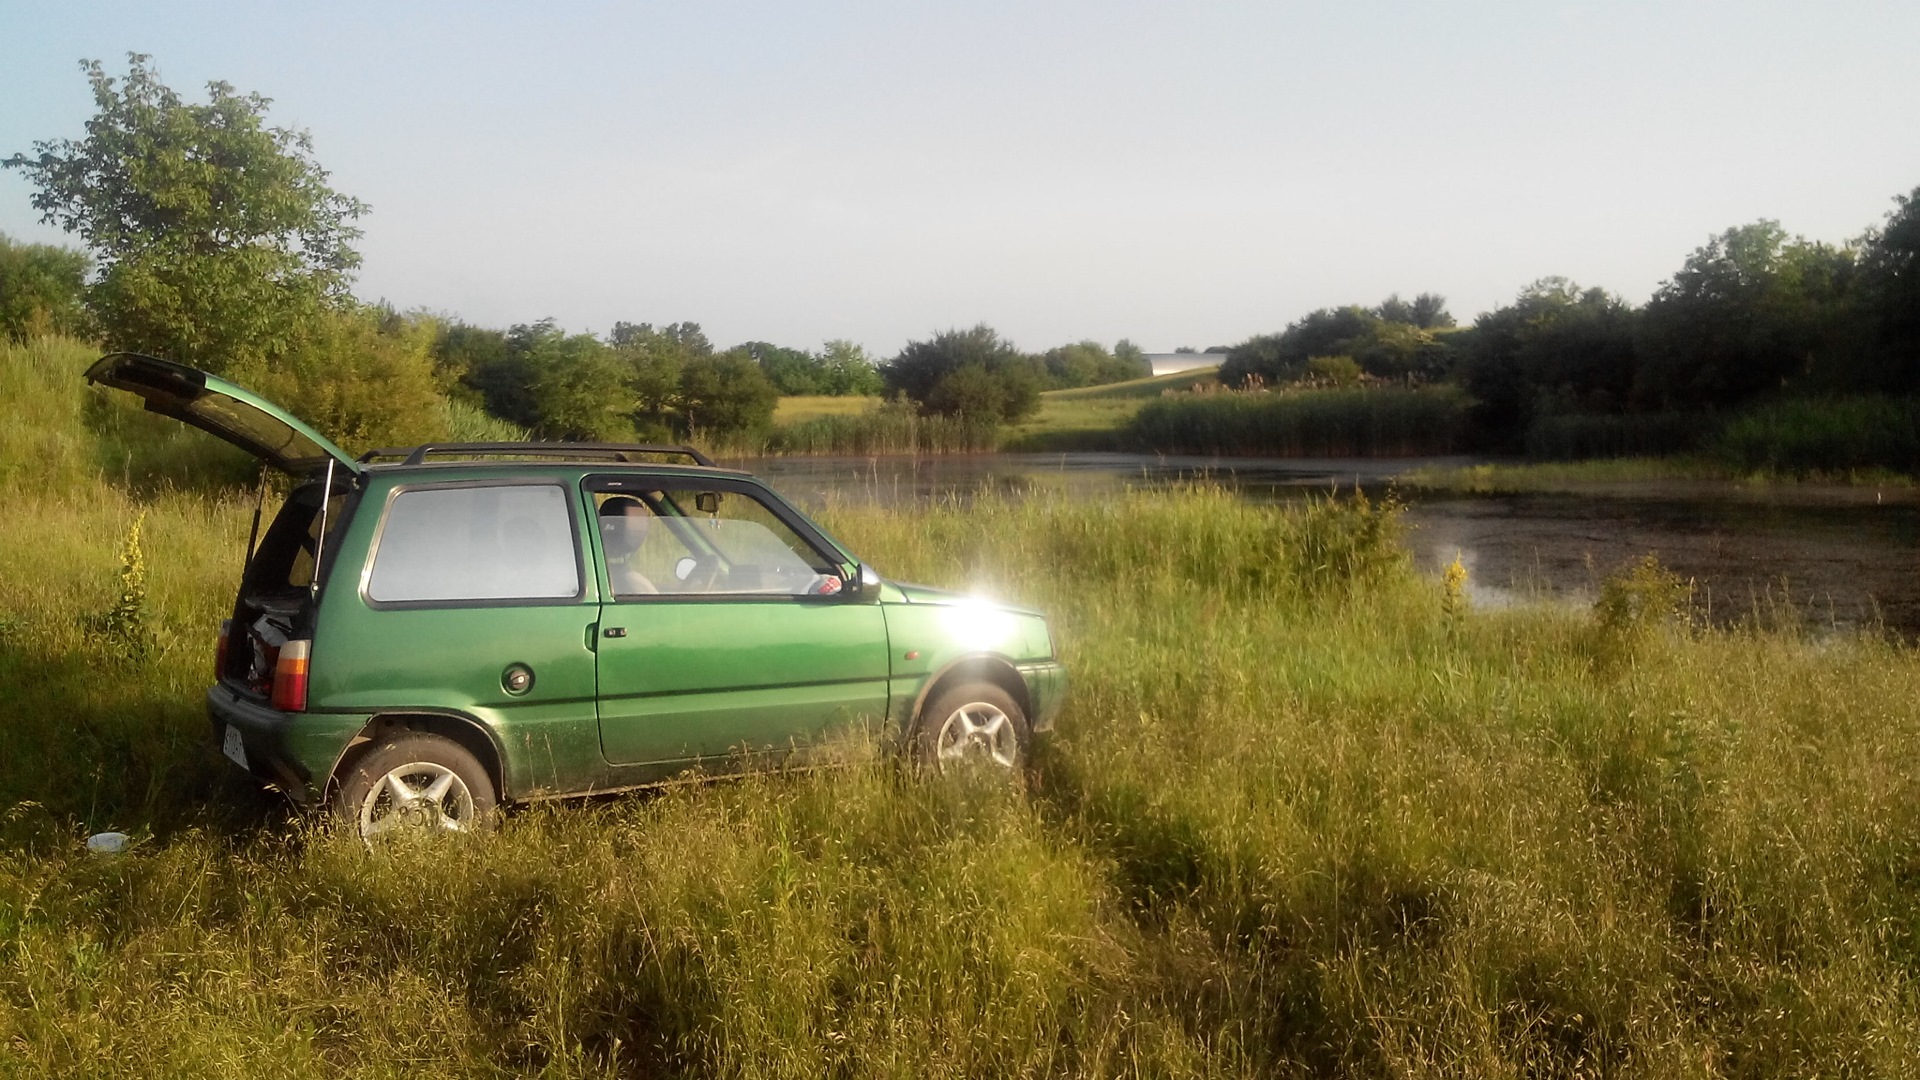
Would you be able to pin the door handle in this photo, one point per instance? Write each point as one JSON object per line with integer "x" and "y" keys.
{"x": 615, "y": 631}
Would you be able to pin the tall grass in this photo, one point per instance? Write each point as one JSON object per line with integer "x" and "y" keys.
{"x": 893, "y": 428}
{"x": 1302, "y": 818}
{"x": 62, "y": 434}
{"x": 1386, "y": 422}
{"x": 1593, "y": 435}
{"x": 794, "y": 408}
{"x": 1834, "y": 435}
{"x": 465, "y": 422}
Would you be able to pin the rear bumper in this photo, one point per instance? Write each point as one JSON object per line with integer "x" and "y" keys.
{"x": 1046, "y": 691}
{"x": 295, "y": 752}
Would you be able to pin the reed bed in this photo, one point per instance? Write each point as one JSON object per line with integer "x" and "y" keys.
{"x": 1835, "y": 435}
{"x": 892, "y": 428}
{"x": 1374, "y": 422}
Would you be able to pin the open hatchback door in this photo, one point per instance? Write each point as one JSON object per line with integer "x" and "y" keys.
{"x": 220, "y": 408}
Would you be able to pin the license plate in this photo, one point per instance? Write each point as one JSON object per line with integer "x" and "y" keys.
{"x": 231, "y": 746}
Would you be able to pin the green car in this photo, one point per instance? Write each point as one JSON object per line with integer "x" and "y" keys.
{"x": 422, "y": 635}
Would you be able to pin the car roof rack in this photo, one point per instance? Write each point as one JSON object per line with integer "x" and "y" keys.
{"x": 417, "y": 455}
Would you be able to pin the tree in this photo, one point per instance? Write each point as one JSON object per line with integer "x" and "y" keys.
{"x": 1088, "y": 363}
{"x": 41, "y": 290}
{"x": 922, "y": 367}
{"x": 1395, "y": 310}
{"x": 1079, "y": 364}
{"x": 1556, "y": 348}
{"x": 1430, "y": 312}
{"x": 656, "y": 361}
{"x": 1890, "y": 286}
{"x": 792, "y": 371}
{"x": 464, "y": 357}
{"x": 583, "y": 393}
{"x": 364, "y": 378}
{"x": 846, "y": 370}
{"x": 571, "y": 386}
{"x": 1279, "y": 357}
{"x": 217, "y": 239}
{"x": 1132, "y": 360}
{"x": 1751, "y": 311}
{"x": 1398, "y": 350}
{"x": 726, "y": 393}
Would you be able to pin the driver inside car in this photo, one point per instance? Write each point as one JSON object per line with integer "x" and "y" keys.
{"x": 624, "y": 521}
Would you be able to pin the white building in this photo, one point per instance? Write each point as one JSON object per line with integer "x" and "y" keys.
{"x": 1167, "y": 363}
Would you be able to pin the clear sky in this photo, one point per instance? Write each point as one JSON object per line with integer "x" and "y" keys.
{"x": 1175, "y": 173}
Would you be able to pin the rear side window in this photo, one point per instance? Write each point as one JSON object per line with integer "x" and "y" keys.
{"x": 491, "y": 542}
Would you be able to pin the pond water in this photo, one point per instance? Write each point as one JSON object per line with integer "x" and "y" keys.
{"x": 1840, "y": 556}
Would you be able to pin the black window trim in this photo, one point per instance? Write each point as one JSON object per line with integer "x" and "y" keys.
{"x": 580, "y": 595}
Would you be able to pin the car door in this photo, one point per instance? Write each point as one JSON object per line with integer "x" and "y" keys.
{"x": 474, "y": 599}
{"x": 728, "y": 627}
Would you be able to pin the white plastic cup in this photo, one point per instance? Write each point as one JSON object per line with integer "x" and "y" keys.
{"x": 107, "y": 843}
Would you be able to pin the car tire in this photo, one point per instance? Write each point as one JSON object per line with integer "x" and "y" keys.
{"x": 971, "y": 724}
{"x": 415, "y": 782}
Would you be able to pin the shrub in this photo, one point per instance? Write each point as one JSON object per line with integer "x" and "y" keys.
{"x": 360, "y": 385}
{"x": 971, "y": 373}
{"x": 41, "y": 290}
{"x": 1339, "y": 371}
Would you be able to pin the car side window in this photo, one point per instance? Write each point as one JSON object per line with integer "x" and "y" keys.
{"x": 684, "y": 540}
{"x": 482, "y": 542}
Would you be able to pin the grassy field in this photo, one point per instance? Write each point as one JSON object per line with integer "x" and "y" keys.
{"x": 799, "y": 409}
{"x": 1091, "y": 418}
{"x": 1094, "y": 417}
{"x": 1306, "y": 815}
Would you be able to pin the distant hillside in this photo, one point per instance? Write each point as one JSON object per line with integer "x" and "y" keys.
{"x": 1138, "y": 388}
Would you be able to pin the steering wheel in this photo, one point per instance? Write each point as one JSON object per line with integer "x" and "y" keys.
{"x": 696, "y": 575}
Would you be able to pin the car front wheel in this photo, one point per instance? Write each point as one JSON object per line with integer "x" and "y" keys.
{"x": 972, "y": 724}
{"x": 416, "y": 783}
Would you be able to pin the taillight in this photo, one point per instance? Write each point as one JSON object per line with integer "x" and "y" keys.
{"x": 220, "y": 650}
{"x": 290, "y": 677}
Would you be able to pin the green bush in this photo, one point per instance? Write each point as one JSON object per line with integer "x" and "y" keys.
{"x": 42, "y": 289}
{"x": 359, "y": 382}
{"x": 972, "y": 373}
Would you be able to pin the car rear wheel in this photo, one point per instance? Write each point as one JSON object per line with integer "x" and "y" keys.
{"x": 975, "y": 724}
{"x": 416, "y": 783}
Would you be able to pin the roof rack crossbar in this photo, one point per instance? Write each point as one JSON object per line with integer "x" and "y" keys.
{"x": 617, "y": 451}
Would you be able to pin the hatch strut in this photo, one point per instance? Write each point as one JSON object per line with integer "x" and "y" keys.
{"x": 253, "y": 535}
{"x": 320, "y": 539}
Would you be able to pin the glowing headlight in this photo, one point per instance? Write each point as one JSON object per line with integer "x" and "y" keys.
{"x": 979, "y": 624}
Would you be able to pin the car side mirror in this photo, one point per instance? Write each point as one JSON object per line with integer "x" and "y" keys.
{"x": 865, "y": 584}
